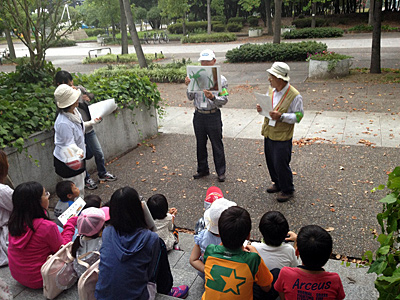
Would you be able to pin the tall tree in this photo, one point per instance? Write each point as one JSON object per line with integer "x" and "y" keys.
{"x": 209, "y": 16}
{"x": 124, "y": 33}
{"x": 37, "y": 24}
{"x": 376, "y": 37}
{"x": 277, "y": 21}
{"x": 134, "y": 35}
{"x": 175, "y": 9}
{"x": 269, "y": 17}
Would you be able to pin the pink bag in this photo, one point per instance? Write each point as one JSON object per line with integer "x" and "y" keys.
{"x": 87, "y": 282}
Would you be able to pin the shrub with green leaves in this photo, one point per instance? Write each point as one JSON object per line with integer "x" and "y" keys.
{"x": 234, "y": 27}
{"x": 274, "y": 52}
{"x": 386, "y": 261}
{"x": 122, "y": 58}
{"x": 253, "y": 21}
{"x": 209, "y": 38}
{"x": 331, "y": 57}
{"x": 308, "y": 33}
{"x": 306, "y": 22}
{"x": 190, "y": 26}
{"x": 219, "y": 28}
{"x": 221, "y": 19}
{"x": 369, "y": 28}
{"x": 239, "y": 20}
{"x": 62, "y": 43}
{"x": 95, "y": 31}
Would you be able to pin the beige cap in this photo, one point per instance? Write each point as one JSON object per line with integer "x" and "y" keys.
{"x": 66, "y": 96}
{"x": 280, "y": 70}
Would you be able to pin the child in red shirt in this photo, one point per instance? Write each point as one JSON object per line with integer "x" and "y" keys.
{"x": 310, "y": 280}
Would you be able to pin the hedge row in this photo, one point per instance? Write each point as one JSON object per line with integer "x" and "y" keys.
{"x": 209, "y": 38}
{"x": 274, "y": 52}
{"x": 123, "y": 58}
{"x": 190, "y": 26}
{"x": 306, "y": 22}
{"x": 95, "y": 31}
{"x": 306, "y": 33}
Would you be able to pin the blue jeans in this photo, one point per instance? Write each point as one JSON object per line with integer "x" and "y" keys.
{"x": 93, "y": 148}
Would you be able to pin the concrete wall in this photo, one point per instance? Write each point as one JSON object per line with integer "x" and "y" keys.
{"x": 319, "y": 69}
{"x": 117, "y": 134}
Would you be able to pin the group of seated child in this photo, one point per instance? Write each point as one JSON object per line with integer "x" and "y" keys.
{"x": 235, "y": 269}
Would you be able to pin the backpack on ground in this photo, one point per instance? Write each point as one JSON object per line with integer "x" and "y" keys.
{"x": 87, "y": 282}
{"x": 58, "y": 273}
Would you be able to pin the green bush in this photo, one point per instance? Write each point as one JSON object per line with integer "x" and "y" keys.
{"x": 253, "y": 21}
{"x": 219, "y": 28}
{"x": 239, "y": 20}
{"x": 306, "y": 33}
{"x": 190, "y": 26}
{"x": 221, "y": 19}
{"x": 306, "y": 22}
{"x": 234, "y": 27}
{"x": 26, "y": 108}
{"x": 274, "y": 52}
{"x": 62, "y": 43}
{"x": 122, "y": 58}
{"x": 369, "y": 28}
{"x": 95, "y": 31}
{"x": 209, "y": 38}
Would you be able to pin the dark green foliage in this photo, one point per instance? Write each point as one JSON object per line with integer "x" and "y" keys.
{"x": 234, "y": 27}
{"x": 274, "y": 52}
{"x": 209, "y": 38}
{"x": 219, "y": 28}
{"x": 369, "y": 28}
{"x": 221, "y": 19}
{"x": 62, "y": 43}
{"x": 253, "y": 21}
{"x": 307, "y": 33}
{"x": 190, "y": 26}
{"x": 306, "y": 22}
{"x": 239, "y": 20}
{"x": 95, "y": 31}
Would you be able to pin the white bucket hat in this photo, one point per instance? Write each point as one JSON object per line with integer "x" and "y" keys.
{"x": 66, "y": 96}
{"x": 280, "y": 70}
{"x": 211, "y": 215}
{"x": 207, "y": 55}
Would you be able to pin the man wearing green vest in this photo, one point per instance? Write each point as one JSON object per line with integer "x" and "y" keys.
{"x": 278, "y": 129}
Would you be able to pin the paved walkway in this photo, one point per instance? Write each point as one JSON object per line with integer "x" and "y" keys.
{"x": 374, "y": 129}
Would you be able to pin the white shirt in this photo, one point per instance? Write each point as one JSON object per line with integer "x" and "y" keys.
{"x": 164, "y": 231}
{"x": 277, "y": 257}
{"x": 6, "y": 207}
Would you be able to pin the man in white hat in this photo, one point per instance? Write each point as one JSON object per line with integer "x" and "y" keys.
{"x": 278, "y": 130}
{"x": 207, "y": 122}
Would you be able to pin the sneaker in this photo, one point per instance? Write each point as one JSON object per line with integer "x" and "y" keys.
{"x": 181, "y": 291}
{"x": 90, "y": 184}
{"x": 284, "y": 197}
{"x": 273, "y": 189}
{"x": 107, "y": 177}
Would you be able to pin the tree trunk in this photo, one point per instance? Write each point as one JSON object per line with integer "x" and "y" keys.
{"x": 314, "y": 10}
{"x": 134, "y": 35}
{"x": 209, "y": 16}
{"x": 376, "y": 38}
{"x": 277, "y": 21}
{"x": 371, "y": 13}
{"x": 124, "y": 34}
{"x": 10, "y": 43}
{"x": 268, "y": 16}
{"x": 184, "y": 23}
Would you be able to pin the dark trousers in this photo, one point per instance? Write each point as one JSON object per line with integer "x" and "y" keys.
{"x": 209, "y": 126}
{"x": 259, "y": 294}
{"x": 278, "y": 155}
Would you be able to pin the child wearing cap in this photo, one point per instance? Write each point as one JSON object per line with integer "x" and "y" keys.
{"x": 213, "y": 193}
{"x": 210, "y": 235}
{"x": 164, "y": 220}
{"x": 90, "y": 224}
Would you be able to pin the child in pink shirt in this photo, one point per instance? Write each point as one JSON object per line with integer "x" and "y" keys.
{"x": 310, "y": 280}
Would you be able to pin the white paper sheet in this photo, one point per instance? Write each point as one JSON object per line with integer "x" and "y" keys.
{"x": 72, "y": 211}
{"x": 102, "y": 108}
{"x": 265, "y": 102}
{"x": 204, "y": 78}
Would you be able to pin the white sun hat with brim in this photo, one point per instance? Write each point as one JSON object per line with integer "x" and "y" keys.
{"x": 280, "y": 70}
{"x": 207, "y": 55}
{"x": 211, "y": 215}
{"x": 66, "y": 96}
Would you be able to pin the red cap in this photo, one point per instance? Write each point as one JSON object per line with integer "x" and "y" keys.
{"x": 213, "y": 193}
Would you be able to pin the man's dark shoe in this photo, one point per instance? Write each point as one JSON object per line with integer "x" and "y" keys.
{"x": 273, "y": 189}
{"x": 221, "y": 178}
{"x": 284, "y": 197}
{"x": 198, "y": 175}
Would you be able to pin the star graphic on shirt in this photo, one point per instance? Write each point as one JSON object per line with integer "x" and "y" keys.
{"x": 233, "y": 282}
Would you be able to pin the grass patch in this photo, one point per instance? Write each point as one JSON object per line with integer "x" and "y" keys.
{"x": 121, "y": 58}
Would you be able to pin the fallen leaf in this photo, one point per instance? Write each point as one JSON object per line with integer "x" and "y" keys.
{"x": 329, "y": 229}
{"x": 332, "y": 210}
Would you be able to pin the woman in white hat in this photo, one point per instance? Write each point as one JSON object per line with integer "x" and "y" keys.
{"x": 69, "y": 152}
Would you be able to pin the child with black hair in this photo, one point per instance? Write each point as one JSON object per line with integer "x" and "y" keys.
{"x": 92, "y": 201}
{"x": 310, "y": 280}
{"x": 230, "y": 270}
{"x": 164, "y": 220}
{"x": 67, "y": 192}
{"x": 273, "y": 249}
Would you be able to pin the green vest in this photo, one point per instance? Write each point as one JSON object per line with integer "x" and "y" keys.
{"x": 281, "y": 131}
